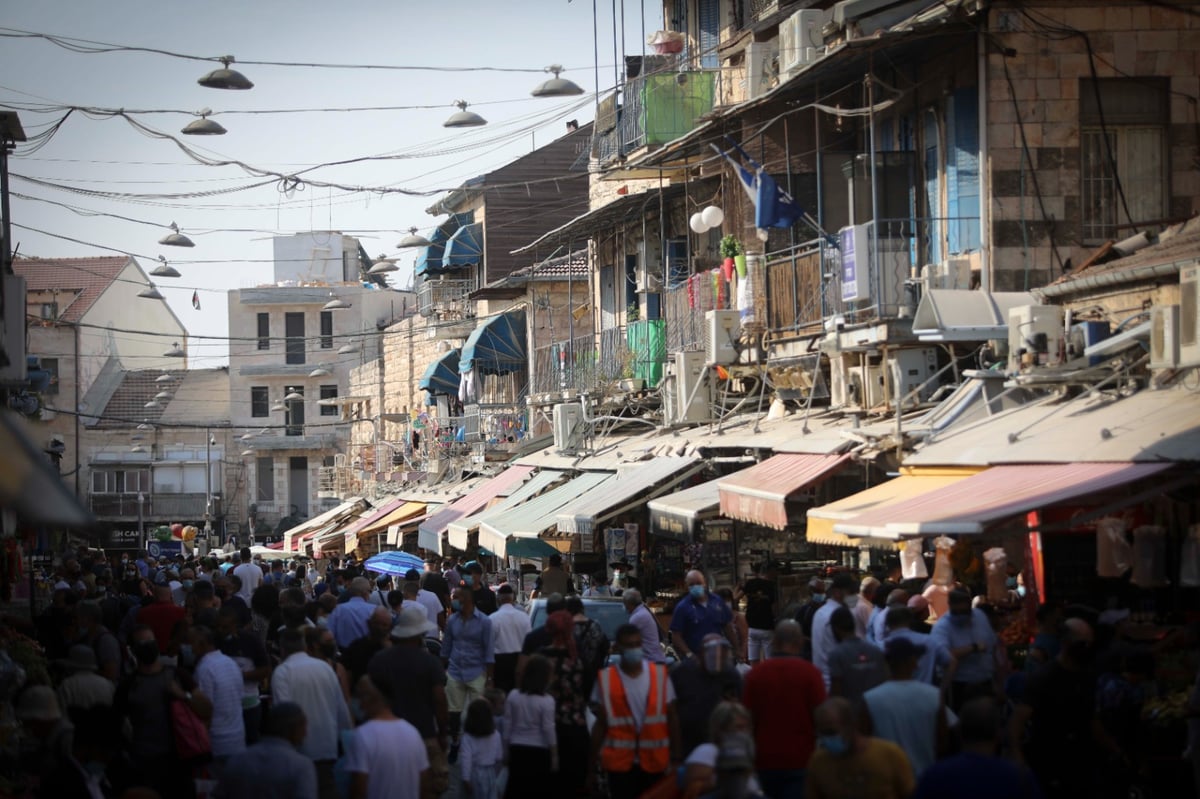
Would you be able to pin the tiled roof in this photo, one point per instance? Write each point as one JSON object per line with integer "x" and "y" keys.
{"x": 127, "y": 405}
{"x": 86, "y": 278}
{"x": 1179, "y": 242}
{"x": 574, "y": 265}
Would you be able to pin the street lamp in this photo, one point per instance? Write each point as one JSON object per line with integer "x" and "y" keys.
{"x": 175, "y": 238}
{"x": 382, "y": 266}
{"x": 164, "y": 269}
{"x": 556, "y": 86}
{"x": 336, "y": 303}
{"x": 413, "y": 239}
{"x": 175, "y": 351}
{"x": 204, "y": 126}
{"x": 141, "y": 500}
{"x": 462, "y": 118}
{"x": 225, "y": 78}
{"x": 151, "y": 293}
{"x": 320, "y": 371}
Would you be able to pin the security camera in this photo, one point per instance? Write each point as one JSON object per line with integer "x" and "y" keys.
{"x": 212, "y": 441}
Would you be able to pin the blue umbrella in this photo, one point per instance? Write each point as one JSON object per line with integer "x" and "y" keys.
{"x": 394, "y": 563}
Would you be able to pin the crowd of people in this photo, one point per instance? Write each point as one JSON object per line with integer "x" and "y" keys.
{"x": 246, "y": 679}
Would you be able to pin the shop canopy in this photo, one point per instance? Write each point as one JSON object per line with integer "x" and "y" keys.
{"x": 536, "y": 516}
{"x": 431, "y": 259}
{"x": 429, "y": 532}
{"x": 630, "y": 488}
{"x": 678, "y": 515}
{"x": 911, "y": 483}
{"x": 465, "y": 247}
{"x": 441, "y": 376}
{"x": 460, "y": 529}
{"x": 760, "y": 494}
{"x": 394, "y": 511}
{"x": 496, "y": 346}
{"x": 970, "y": 505}
{"x": 321, "y": 522}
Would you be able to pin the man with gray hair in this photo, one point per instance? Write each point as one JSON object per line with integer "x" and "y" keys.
{"x": 348, "y": 622}
{"x": 641, "y": 617}
{"x": 293, "y": 776}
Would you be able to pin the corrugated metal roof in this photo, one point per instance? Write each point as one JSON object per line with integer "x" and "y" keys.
{"x": 84, "y": 278}
{"x": 961, "y": 315}
{"x": 970, "y": 505}
{"x": 631, "y": 485}
{"x": 126, "y": 405}
{"x": 201, "y": 397}
{"x": 460, "y": 529}
{"x": 531, "y": 519}
{"x": 760, "y": 494}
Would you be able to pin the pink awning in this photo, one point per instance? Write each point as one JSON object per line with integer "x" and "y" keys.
{"x": 431, "y": 529}
{"x": 970, "y": 505}
{"x": 760, "y": 494}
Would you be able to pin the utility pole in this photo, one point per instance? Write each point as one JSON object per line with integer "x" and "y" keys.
{"x": 208, "y": 499}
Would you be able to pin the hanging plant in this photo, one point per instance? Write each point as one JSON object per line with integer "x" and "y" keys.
{"x": 731, "y": 247}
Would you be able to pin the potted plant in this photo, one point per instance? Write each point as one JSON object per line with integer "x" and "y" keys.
{"x": 731, "y": 248}
{"x": 628, "y": 369}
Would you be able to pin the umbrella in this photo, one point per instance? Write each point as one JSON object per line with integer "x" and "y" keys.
{"x": 394, "y": 563}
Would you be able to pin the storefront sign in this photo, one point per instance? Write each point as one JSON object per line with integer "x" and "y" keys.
{"x": 164, "y": 549}
{"x": 122, "y": 539}
{"x": 614, "y": 544}
{"x": 671, "y": 525}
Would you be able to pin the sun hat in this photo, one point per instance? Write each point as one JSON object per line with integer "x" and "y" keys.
{"x": 412, "y": 621}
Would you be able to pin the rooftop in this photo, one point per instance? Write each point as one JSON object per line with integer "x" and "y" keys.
{"x": 85, "y": 278}
{"x": 198, "y": 397}
{"x": 1178, "y": 243}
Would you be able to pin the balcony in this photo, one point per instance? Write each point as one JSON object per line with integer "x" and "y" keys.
{"x": 446, "y": 300}
{"x": 177, "y": 507}
{"x": 655, "y": 109}
{"x": 684, "y": 306}
{"x": 598, "y": 363}
{"x": 338, "y": 482}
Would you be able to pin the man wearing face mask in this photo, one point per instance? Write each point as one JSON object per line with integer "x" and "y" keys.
{"x": 485, "y": 598}
{"x": 348, "y": 622}
{"x": 807, "y": 611}
{"x": 468, "y": 654}
{"x": 636, "y": 736}
{"x": 701, "y": 684}
{"x": 850, "y": 765}
{"x": 968, "y": 635}
{"x": 248, "y": 652}
{"x": 698, "y": 614}
{"x": 220, "y": 679}
{"x": 1066, "y": 740}
{"x": 843, "y": 593}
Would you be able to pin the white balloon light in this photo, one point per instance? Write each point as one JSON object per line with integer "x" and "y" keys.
{"x": 697, "y": 223}
{"x": 713, "y": 216}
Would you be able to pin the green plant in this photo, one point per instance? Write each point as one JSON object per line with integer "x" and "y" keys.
{"x": 633, "y": 312}
{"x": 731, "y": 247}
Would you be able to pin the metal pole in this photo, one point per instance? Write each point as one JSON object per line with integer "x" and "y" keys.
{"x": 207, "y": 484}
{"x": 877, "y": 288}
{"x": 7, "y": 221}
{"x": 141, "y": 521}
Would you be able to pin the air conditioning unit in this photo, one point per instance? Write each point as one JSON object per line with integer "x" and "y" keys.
{"x": 721, "y": 331}
{"x": 800, "y": 40}
{"x": 762, "y": 67}
{"x": 1037, "y": 331}
{"x": 1083, "y": 336}
{"x": 911, "y": 371}
{"x": 1164, "y": 337}
{"x": 839, "y": 377}
{"x": 866, "y": 387}
{"x": 668, "y": 395}
{"x": 1189, "y": 316}
{"x": 694, "y": 389}
{"x": 567, "y": 420}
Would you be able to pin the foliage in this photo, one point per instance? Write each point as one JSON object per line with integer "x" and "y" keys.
{"x": 731, "y": 247}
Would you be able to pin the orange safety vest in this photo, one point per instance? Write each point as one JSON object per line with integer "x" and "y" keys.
{"x": 624, "y": 745}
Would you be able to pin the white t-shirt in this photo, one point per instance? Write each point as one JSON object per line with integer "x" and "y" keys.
{"x": 392, "y": 754}
{"x": 220, "y": 679}
{"x": 251, "y": 577}
{"x": 529, "y": 720}
{"x": 474, "y": 752}
{"x": 637, "y": 692}
{"x": 433, "y": 606}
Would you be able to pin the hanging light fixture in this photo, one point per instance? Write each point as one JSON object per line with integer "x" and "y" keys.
{"x": 136, "y": 437}
{"x": 145, "y": 425}
{"x": 292, "y": 396}
{"x": 151, "y": 293}
{"x": 163, "y": 395}
{"x": 712, "y": 216}
{"x": 204, "y": 126}
{"x": 175, "y": 238}
{"x": 556, "y": 86}
{"x": 279, "y": 406}
{"x": 164, "y": 269}
{"x": 175, "y": 351}
{"x": 225, "y": 78}
{"x": 247, "y": 453}
{"x": 165, "y": 377}
{"x": 152, "y": 405}
{"x": 137, "y": 448}
{"x": 320, "y": 371}
{"x": 413, "y": 239}
{"x": 336, "y": 303}
{"x": 246, "y": 436}
{"x": 347, "y": 349}
{"x": 462, "y": 118}
{"x": 382, "y": 265}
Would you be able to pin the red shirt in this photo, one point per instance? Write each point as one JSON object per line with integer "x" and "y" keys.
{"x": 781, "y": 694}
{"x": 162, "y": 618}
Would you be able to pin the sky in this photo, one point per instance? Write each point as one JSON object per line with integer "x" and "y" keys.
{"x": 127, "y": 185}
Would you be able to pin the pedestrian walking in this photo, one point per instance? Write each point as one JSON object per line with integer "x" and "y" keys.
{"x": 481, "y": 758}
{"x": 348, "y": 622}
{"x": 967, "y": 633}
{"x": 468, "y": 655}
{"x": 698, "y": 614}
{"x": 850, "y": 765}
{"x": 842, "y": 592}
{"x": 293, "y": 776}
{"x": 510, "y": 625}
{"x": 762, "y": 595}
{"x": 567, "y": 686}
{"x": 641, "y": 617}
{"x": 906, "y": 711}
{"x": 220, "y": 679}
{"x": 387, "y": 757}
{"x": 530, "y": 738}
{"x": 855, "y": 666}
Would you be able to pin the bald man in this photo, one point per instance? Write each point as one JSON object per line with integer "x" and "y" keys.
{"x": 698, "y": 614}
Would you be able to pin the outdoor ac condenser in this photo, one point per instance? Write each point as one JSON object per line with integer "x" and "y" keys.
{"x": 567, "y": 420}
{"x": 693, "y": 388}
{"x": 1189, "y": 316}
{"x": 1164, "y": 337}
{"x": 721, "y": 332}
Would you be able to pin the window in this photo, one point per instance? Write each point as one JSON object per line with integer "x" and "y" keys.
{"x": 49, "y": 310}
{"x": 293, "y": 330}
{"x": 264, "y": 331}
{"x": 326, "y": 330}
{"x": 329, "y": 392}
{"x": 264, "y": 479}
{"x": 51, "y": 365}
{"x": 295, "y": 412}
{"x": 260, "y": 402}
{"x": 1123, "y": 164}
{"x": 120, "y": 481}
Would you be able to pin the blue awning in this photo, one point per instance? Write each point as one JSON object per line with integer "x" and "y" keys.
{"x": 497, "y": 346}
{"x": 432, "y": 259}
{"x": 442, "y": 375}
{"x": 465, "y": 247}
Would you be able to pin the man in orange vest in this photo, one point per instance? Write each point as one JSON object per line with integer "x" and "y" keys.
{"x": 636, "y": 736}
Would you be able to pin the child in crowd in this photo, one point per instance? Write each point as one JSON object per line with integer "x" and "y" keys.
{"x": 481, "y": 756}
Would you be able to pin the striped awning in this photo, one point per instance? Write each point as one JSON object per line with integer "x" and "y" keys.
{"x": 431, "y": 530}
{"x": 761, "y": 493}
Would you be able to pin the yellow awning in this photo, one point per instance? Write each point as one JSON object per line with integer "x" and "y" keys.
{"x": 912, "y": 482}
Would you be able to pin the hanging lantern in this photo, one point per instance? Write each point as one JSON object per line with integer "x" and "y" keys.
{"x": 696, "y": 223}
{"x": 712, "y": 216}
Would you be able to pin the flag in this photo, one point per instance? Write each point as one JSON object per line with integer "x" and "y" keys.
{"x": 773, "y": 207}
{"x": 196, "y": 300}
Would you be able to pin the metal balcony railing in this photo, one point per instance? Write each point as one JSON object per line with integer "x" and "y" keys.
{"x": 446, "y": 299}
{"x": 125, "y": 506}
{"x": 657, "y": 108}
{"x": 585, "y": 363}
{"x": 339, "y": 481}
{"x": 684, "y": 306}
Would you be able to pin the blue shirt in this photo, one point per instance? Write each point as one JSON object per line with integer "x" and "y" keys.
{"x": 293, "y": 775}
{"x": 936, "y": 654}
{"x": 348, "y": 622}
{"x": 977, "y": 666}
{"x": 467, "y": 645}
{"x": 977, "y": 776}
{"x": 694, "y": 620}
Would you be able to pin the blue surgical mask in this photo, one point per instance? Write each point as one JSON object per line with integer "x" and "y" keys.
{"x": 833, "y": 744}
{"x": 468, "y": 580}
{"x": 456, "y": 605}
{"x": 696, "y": 591}
{"x": 818, "y": 597}
{"x": 632, "y": 657}
{"x": 1021, "y": 591}
{"x": 187, "y": 584}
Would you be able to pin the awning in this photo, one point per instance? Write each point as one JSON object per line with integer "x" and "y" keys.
{"x": 430, "y": 531}
{"x": 677, "y": 515}
{"x": 465, "y": 247}
{"x": 961, "y": 315}
{"x": 630, "y": 487}
{"x": 432, "y": 258}
{"x": 529, "y": 548}
{"x": 441, "y": 376}
{"x": 760, "y": 494}
{"x": 534, "y": 517}
{"x": 911, "y": 483}
{"x": 460, "y": 530}
{"x": 29, "y": 484}
{"x": 321, "y": 521}
{"x": 496, "y": 346}
{"x": 393, "y": 511}
{"x": 968, "y": 506}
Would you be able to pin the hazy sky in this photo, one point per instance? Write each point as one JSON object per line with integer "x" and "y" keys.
{"x": 232, "y": 228}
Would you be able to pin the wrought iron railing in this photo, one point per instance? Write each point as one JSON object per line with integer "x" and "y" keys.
{"x": 685, "y": 304}
{"x": 446, "y": 299}
{"x": 658, "y": 108}
{"x": 584, "y": 363}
